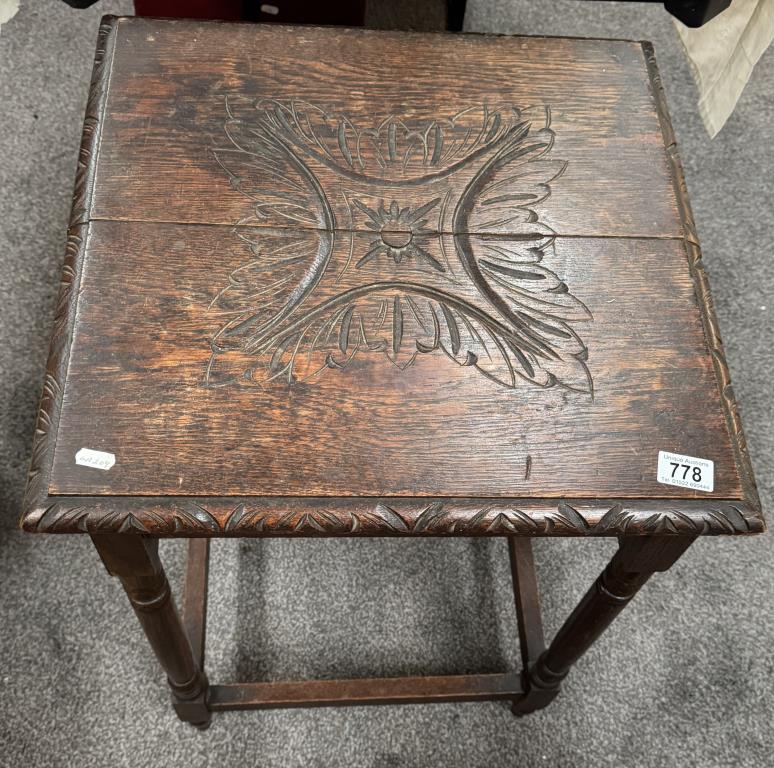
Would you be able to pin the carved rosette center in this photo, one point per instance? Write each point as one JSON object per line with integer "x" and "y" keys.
{"x": 397, "y": 238}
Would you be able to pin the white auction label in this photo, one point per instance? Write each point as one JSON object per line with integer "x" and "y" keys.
{"x": 87, "y": 457}
{"x": 686, "y": 471}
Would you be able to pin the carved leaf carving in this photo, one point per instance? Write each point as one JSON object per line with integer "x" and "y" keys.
{"x": 310, "y": 300}
{"x": 397, "y": 148}
{"x": 401, "y": 517}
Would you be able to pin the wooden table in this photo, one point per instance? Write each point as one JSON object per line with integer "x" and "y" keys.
{"x": 330, "y": 282}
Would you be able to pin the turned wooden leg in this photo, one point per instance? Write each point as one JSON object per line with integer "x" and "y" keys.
{"x": 135, "y": 561}
{"x": 632, "y": 565}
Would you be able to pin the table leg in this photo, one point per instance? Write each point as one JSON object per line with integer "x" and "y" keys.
{"x": 135, "y": 561}
{"x": 632, "y": 565}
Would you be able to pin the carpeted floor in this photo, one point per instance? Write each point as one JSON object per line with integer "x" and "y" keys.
{"x": 684, "y": 677}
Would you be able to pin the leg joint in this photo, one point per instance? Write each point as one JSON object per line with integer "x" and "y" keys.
{"x": 152, "y": 598}
{"x": 542, "y": 676}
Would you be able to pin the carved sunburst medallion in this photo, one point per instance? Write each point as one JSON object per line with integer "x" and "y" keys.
{"x": 411, "y": 237}
{"x": 401, "y": 232}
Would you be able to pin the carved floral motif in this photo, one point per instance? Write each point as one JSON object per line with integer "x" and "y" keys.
{"x": 407, "y": 238}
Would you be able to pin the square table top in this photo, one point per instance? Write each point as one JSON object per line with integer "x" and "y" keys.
{"x": 336, "y": 281}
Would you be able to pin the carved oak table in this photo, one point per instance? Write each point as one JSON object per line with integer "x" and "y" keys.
{"x": 326, "y": 282}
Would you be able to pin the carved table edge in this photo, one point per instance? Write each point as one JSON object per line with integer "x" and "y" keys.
{"x": 701, "y": 287}
{"x": 186, "y": 516}
{"x": 67, "y": 298}
{"x": 393, "y": 516}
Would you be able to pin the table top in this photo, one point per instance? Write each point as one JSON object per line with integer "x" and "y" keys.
{"x": 333, "y": 281}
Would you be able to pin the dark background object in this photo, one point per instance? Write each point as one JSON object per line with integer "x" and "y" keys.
{"x": 695, "y": 13}
{"x": 224, "y": 10}
{"x": 345, "y": 12}
{"x": 692, "y": 13}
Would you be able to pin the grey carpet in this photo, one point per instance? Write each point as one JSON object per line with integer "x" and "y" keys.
{"x": 682, "y": 679}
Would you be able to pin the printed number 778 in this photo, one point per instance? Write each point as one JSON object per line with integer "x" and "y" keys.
{"x": 686, "y": 467}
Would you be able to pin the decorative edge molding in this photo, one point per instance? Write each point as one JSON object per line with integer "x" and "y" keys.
{"x": 92, "y": 123}
{"x": 703, "y": 295}
{"x": 67, "y": 299}
{"x": 670, "y": 145}
{"x": 56, "y": 368}
{"x": 299, "y": 516}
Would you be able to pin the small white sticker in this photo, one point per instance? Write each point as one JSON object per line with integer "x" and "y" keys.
{"x": 686, "y": 471}
{"x": 87, "y": 457}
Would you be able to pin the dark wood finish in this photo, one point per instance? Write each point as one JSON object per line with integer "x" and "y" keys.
{"x": 135, "y": 561}
{"x": 311, "y": 516}
{"x": 195, "y": 597}
{"x": 554, "y": 346}
{"x": 337, "y": 282}
{"x": 398, "y": 690}
{"x": 636, "y": 560}
{"x": 703, "y": 295}
{"x": 527, "y": 597}
{"x": 166, "y": 115}
{"x": 157, "y": 354}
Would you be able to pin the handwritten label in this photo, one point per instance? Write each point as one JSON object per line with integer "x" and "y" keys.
{"x": 686, "y": 471}
{"x": 87, "y": 457}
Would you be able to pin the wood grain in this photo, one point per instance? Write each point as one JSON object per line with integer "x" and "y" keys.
{"x": 166, "y": 112}
{"x": 389, "y": 338}
{"x": 136, "y": 387}
{"x": 359, "y": 692}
